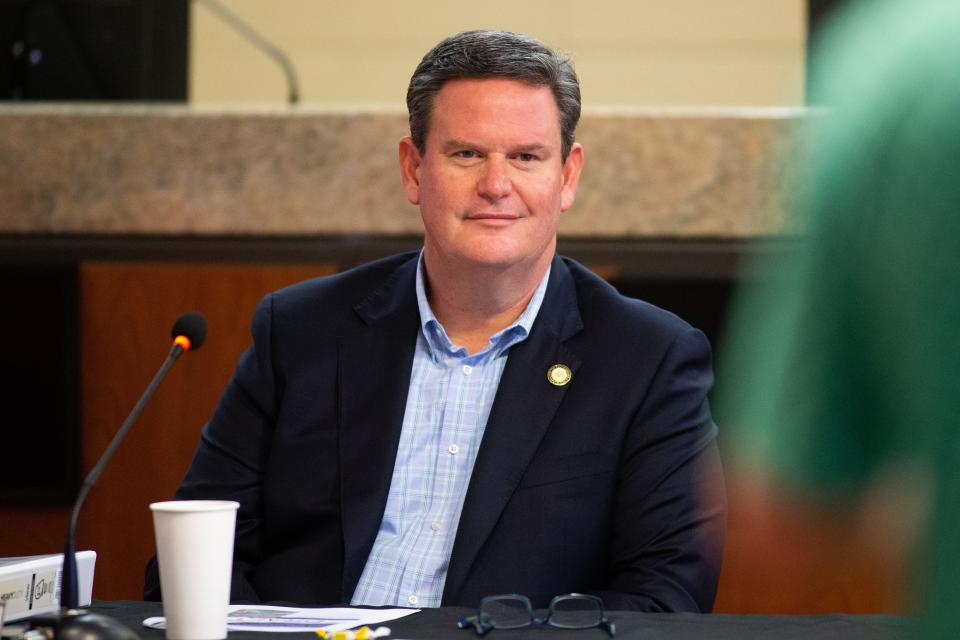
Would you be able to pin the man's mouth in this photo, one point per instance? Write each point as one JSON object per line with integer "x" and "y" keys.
{"x": 493, "y": 216}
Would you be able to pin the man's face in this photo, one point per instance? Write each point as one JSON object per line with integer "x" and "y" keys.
{"x": 491, "y": 183}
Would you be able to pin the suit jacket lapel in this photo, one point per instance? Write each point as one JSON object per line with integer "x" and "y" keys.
{"x": 374, "y": 365}
{"x": 522, "y": 411}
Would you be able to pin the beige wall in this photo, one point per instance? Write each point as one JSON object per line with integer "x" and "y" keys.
{"x": 627, "y": 52}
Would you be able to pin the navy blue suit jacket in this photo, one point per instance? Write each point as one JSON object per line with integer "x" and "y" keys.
{"x": 608, "y": 485}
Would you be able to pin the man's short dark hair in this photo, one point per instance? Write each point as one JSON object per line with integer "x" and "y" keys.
{"x": 493, "y": 54}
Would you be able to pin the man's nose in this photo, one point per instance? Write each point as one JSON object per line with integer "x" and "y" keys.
{"x": 494, "y": 182}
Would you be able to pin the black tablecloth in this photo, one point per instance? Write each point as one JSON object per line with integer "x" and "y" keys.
{"x": 442, "y": 623}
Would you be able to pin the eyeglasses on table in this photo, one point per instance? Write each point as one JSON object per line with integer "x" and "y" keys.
{"x": 514, "y": 611}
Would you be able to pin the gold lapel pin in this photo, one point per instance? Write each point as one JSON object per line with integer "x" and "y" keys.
{"x": 559, "y": 375}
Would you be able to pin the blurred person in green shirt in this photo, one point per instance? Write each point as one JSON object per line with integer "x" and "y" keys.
{"x": 843, "y": 375}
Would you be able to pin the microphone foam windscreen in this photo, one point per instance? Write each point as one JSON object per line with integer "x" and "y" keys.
{"x": 193, "y": 326}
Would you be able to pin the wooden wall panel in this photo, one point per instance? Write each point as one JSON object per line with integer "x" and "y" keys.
{"x": 27, "y": 531}
{"x": 792, "y": 557}
{"x": 127, "y": 311}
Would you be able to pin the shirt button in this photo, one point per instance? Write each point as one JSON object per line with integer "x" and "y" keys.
{"x": 413, "y": 599}
{"x": 467, "y": 369}
{"x": 453, "y": 448}
{"x": 435, "y": 526}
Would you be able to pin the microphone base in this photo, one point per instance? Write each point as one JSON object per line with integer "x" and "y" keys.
{"x": 76, "y": 624}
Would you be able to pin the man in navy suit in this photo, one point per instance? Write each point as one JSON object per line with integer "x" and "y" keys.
{"x": 480, "y": 417}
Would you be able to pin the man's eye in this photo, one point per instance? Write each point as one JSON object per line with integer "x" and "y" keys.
{"x": 467, "y": 153}
{"x": 527, "y": 157}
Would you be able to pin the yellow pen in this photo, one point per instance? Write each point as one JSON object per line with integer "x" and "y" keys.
{"x": 363, "y": 633}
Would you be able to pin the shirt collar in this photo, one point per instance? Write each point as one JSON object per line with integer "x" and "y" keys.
{"x": 436, "y": 336}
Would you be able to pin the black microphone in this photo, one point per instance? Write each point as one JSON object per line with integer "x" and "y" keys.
{"x": 189, "y": 332}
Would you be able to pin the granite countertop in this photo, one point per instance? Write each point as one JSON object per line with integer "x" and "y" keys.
{"x": 248, "y": 171}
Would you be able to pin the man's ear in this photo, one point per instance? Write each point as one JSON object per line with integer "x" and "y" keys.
{"x": 410, "y": 169}
{"x": 572, "y": 167}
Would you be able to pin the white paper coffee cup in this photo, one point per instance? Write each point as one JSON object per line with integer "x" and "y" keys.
{"x": 195, "y": 554}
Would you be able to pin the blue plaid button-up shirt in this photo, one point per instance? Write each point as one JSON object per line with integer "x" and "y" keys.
{"x": 449, "y": 401}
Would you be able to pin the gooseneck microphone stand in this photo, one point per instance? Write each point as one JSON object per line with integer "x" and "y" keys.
{"x": 71, "y": 623}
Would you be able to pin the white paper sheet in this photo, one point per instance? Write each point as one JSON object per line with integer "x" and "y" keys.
{"x": 246, "y": 617}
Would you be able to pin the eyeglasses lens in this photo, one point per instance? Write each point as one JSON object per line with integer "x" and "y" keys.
{"x": 506, "y": 612}
{"x": 576, "y": 613}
